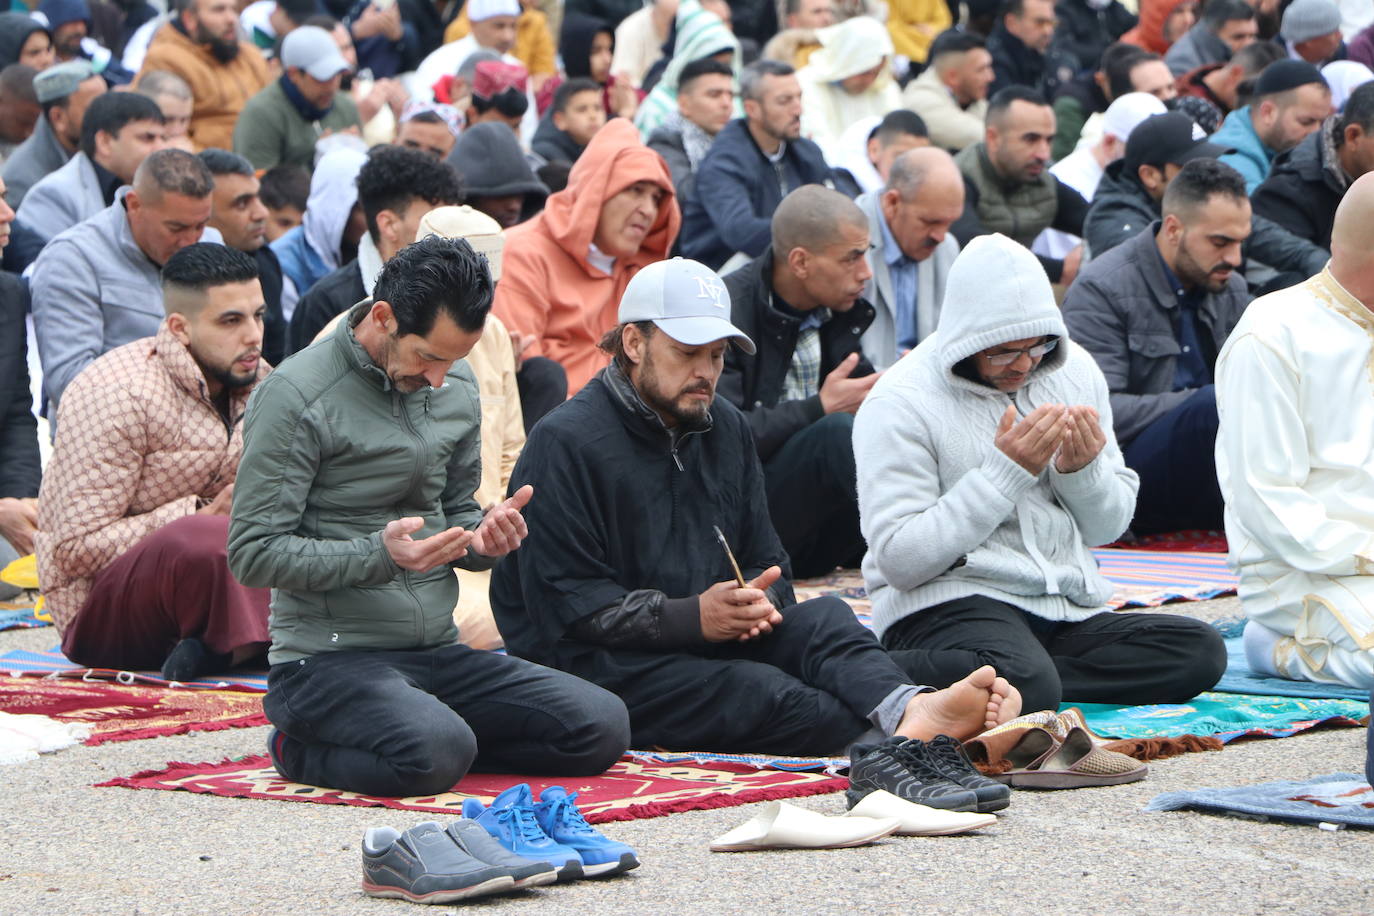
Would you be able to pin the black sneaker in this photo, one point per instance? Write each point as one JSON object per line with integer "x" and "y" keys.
{"x": 885, "y": 766}
{"x": 945, "y": 756}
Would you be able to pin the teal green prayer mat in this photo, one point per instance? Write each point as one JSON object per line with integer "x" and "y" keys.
{"x": 1225, "y": 716}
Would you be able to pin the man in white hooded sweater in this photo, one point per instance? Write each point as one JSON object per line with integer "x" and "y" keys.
{"x": 987, "y": 467}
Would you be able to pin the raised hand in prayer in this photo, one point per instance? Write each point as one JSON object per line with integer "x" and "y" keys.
{"x": 1083, "y": 441}
{"x": 1032, "y": 442}
{"x": 221, "y": 504}
{"x": 729, "y": 612}
{"x": 503, "y": 527}
{"x": 428, "y": 553}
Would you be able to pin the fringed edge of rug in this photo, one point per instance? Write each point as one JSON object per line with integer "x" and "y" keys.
{"x": 185, "y": 728}
{"x": 1163, "y": 748}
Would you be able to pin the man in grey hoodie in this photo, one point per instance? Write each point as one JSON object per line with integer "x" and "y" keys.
{"x": 986, "y": 468}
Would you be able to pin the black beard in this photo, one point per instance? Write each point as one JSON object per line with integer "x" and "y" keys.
{"x": 346, "y": 84}
{"x": 224, "y": 50}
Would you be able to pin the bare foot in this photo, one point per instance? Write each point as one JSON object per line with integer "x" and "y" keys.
{"x": 963, "y": 709}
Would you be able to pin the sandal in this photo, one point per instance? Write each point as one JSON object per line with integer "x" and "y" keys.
{"x": 1077, "y": 763}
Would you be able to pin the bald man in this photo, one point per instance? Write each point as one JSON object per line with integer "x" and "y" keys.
{"x": 802, "y": 301}
{"x": 1295, "y": 459}
{"x": 909, "y": 222}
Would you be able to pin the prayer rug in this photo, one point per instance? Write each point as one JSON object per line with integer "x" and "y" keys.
{"x": 1224, "y": 716}
{"x": 633, "y": 788}
{"x": 126, "y": 713}
{"x": 1340, "y": 798}
{"x": 53, "y": 663}
{"x": 1143, "y": 578}
{"x": 1239, "y": 678}
{"x": 1205, "y": 541}
{"x": 19, "y": 614}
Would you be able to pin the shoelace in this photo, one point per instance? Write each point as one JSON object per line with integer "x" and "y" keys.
{"x": 522, "y": 822}
{"x": 952, "y": 755}
{"x": 921, "y": 769}
{"x": 567, "y": 816}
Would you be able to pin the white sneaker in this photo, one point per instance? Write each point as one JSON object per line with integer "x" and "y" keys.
{"x": 783, "y": 826}
{"x": 918, "y": 820}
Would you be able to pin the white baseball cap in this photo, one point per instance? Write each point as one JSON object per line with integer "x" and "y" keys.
{"x": 312, "y": 49}
{"x": 685, "y": 300}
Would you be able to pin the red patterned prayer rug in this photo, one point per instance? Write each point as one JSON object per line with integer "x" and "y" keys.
{"x": 633, "y": 788}
{"x": 123, "y": 713}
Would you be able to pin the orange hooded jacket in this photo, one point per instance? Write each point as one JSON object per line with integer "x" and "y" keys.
{"x": 548, "y": 289}
{"x": 1149, "y": 31}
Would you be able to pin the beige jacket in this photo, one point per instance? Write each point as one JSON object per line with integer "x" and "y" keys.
{"x": 950, "y": 126}
{"x": 218, "y": 91}
{"x": 139, "y": 444}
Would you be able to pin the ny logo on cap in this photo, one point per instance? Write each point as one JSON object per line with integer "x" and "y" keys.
{"x": 710, "y": 289}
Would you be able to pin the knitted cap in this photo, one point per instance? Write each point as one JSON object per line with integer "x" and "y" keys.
{"x": 487, "y": 9}
{"x": 479, "y": 230}
{"x": 60, "y": 81}
{"x": 1282, "y": 75}
{"x": 1306, "y": 19}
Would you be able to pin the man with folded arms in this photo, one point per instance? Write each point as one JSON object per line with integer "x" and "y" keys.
{"x": 132, "y": 517}
{"x": 703, "y": 656}
{"x": 986, "y": 470}
{"x": 356, "y": 500}
{"x": 1295, "y": 461}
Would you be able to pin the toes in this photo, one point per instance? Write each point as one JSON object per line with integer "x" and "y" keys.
{"x": 983, "y": 677}
{"x": 1001, "y": 688}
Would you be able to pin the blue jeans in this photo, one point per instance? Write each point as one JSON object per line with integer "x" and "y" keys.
{"x": 1175, "y": 457}
{"x": 414, "y": 722}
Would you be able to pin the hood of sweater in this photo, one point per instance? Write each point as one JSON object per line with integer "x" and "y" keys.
{"x": 614, "y": 160}
{"x": 849, "y": 48}
{"x": 333, "y": 192}
{"x": 854, "y": 153}
{"x": 996, "y": 292}
{"x": 700, "y": 33}
{"x": 61, "y": 12}
{"x": 488, "y": 157}
{"x": 15, "y": 29}
{"x": 575, "y": 42}
{"x": 1149, "y": 31}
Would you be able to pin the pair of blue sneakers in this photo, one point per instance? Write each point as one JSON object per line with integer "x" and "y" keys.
{"x": 551, "y": 830}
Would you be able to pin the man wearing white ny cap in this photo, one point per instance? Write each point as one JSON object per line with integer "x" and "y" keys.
{"x": 624, "y": 579}
{"x": 282, "y": 123}
{"x": 1082, "y": 169}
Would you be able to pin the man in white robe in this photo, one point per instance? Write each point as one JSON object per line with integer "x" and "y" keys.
{"x": 1295, "y": 459}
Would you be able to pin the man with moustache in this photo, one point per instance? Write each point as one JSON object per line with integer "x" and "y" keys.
{"x": 201, "y": 45}
{"x": 133, "y": 515}
{"x": 1154, "y": 312}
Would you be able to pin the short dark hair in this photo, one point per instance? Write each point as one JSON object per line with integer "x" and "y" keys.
{"x": 111, "y": 112}
{"x": 299, "y": 11}
{"x": 200, "y": 266}
{"x": 17, "y": 81}
{"x": 562, "y": 96}
{"x": 426, "y": 117}
{"x": 613, "y": 341}
{"x": 510, "y": 102}
{"x": 954, "y": 41}
{"x": 223, "y": 162}
{"x": 900, "y": 122}
{"x": 285, "y": 186}
{"x": 999, "y": 103}
{"x": 1219, "y": 12}
{"x": 394, "y": 176}
{"x": 321, "y": 20}
{"x": 1012, "y": 8}
{"x": 436, "y": 273}
{"x": 1198, "y": 181}
{"x": 1358, "y": 112}
{"x": 698, "y": 68}
{"x": 1118, "y": 60}
{"x": 751, "y": 78}
{"x": 173, "y": 171}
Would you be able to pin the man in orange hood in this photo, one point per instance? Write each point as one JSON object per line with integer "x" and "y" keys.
{"x": 1162, "y": 22}
{"x": 565, "y": 270}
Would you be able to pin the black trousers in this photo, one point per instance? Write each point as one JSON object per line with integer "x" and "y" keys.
{"x": 813, "y": 497}
{"x": 543, "y": 385}
{"x": 413, "y": 723}
{"x": 1175, "y": 457}
{"x": 1126, "y": 658}
{"x": 806, "y": 688}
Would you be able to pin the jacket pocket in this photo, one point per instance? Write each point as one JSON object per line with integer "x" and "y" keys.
{"x": 1153, "y": 346}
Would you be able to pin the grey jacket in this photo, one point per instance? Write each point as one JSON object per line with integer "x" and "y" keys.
{"x": 1199, "y": 45}
{"x": 667, "y": 142}
{"x": 93, "y": 290}
{"x": 879, "y": 342}
{"x": 1122, "y": 310}
{"x": 61, "y": 200}
{"x": 37, "y": 157}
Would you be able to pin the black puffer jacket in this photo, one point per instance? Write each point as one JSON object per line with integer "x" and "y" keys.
{"x": 755, "y": 383}
{"x": 1085, "y": 32}
{"x": 1304, "y": 188}
{"x": 20, "y": 471}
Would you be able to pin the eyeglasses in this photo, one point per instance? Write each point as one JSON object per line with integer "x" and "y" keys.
{"x": 1007, "y": 357}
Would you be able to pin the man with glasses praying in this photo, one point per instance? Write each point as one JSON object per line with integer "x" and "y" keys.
{"x": 987, "y": 469}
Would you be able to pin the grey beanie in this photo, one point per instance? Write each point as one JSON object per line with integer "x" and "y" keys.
{"x": 60, "y": 81}
{"x": 1306, "y": 19}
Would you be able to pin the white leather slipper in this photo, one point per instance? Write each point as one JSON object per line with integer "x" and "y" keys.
{"x": 919, "y": 820}
{"x": 783, "y": 826}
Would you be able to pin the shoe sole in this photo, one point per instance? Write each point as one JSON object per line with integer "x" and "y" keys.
{"x": 539, "y": 880}
{"x": 572, "y": 871}
{"x": 1068, "y": 780}
{"x": 491, "y": 886}
{"x": 606, "y": 869}
{"x": 760, "y": 847}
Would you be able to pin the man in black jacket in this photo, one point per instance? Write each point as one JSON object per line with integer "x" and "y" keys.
{"x": 802, "y": 301}
{"x": 1021, "y": 53}
{"x": 20, "y": 471}
{"x": 1307, "y": 183}
{"x": 622, "y": 580}
{"x": 753, "y": 164}
{"x": 396, "y": 188}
